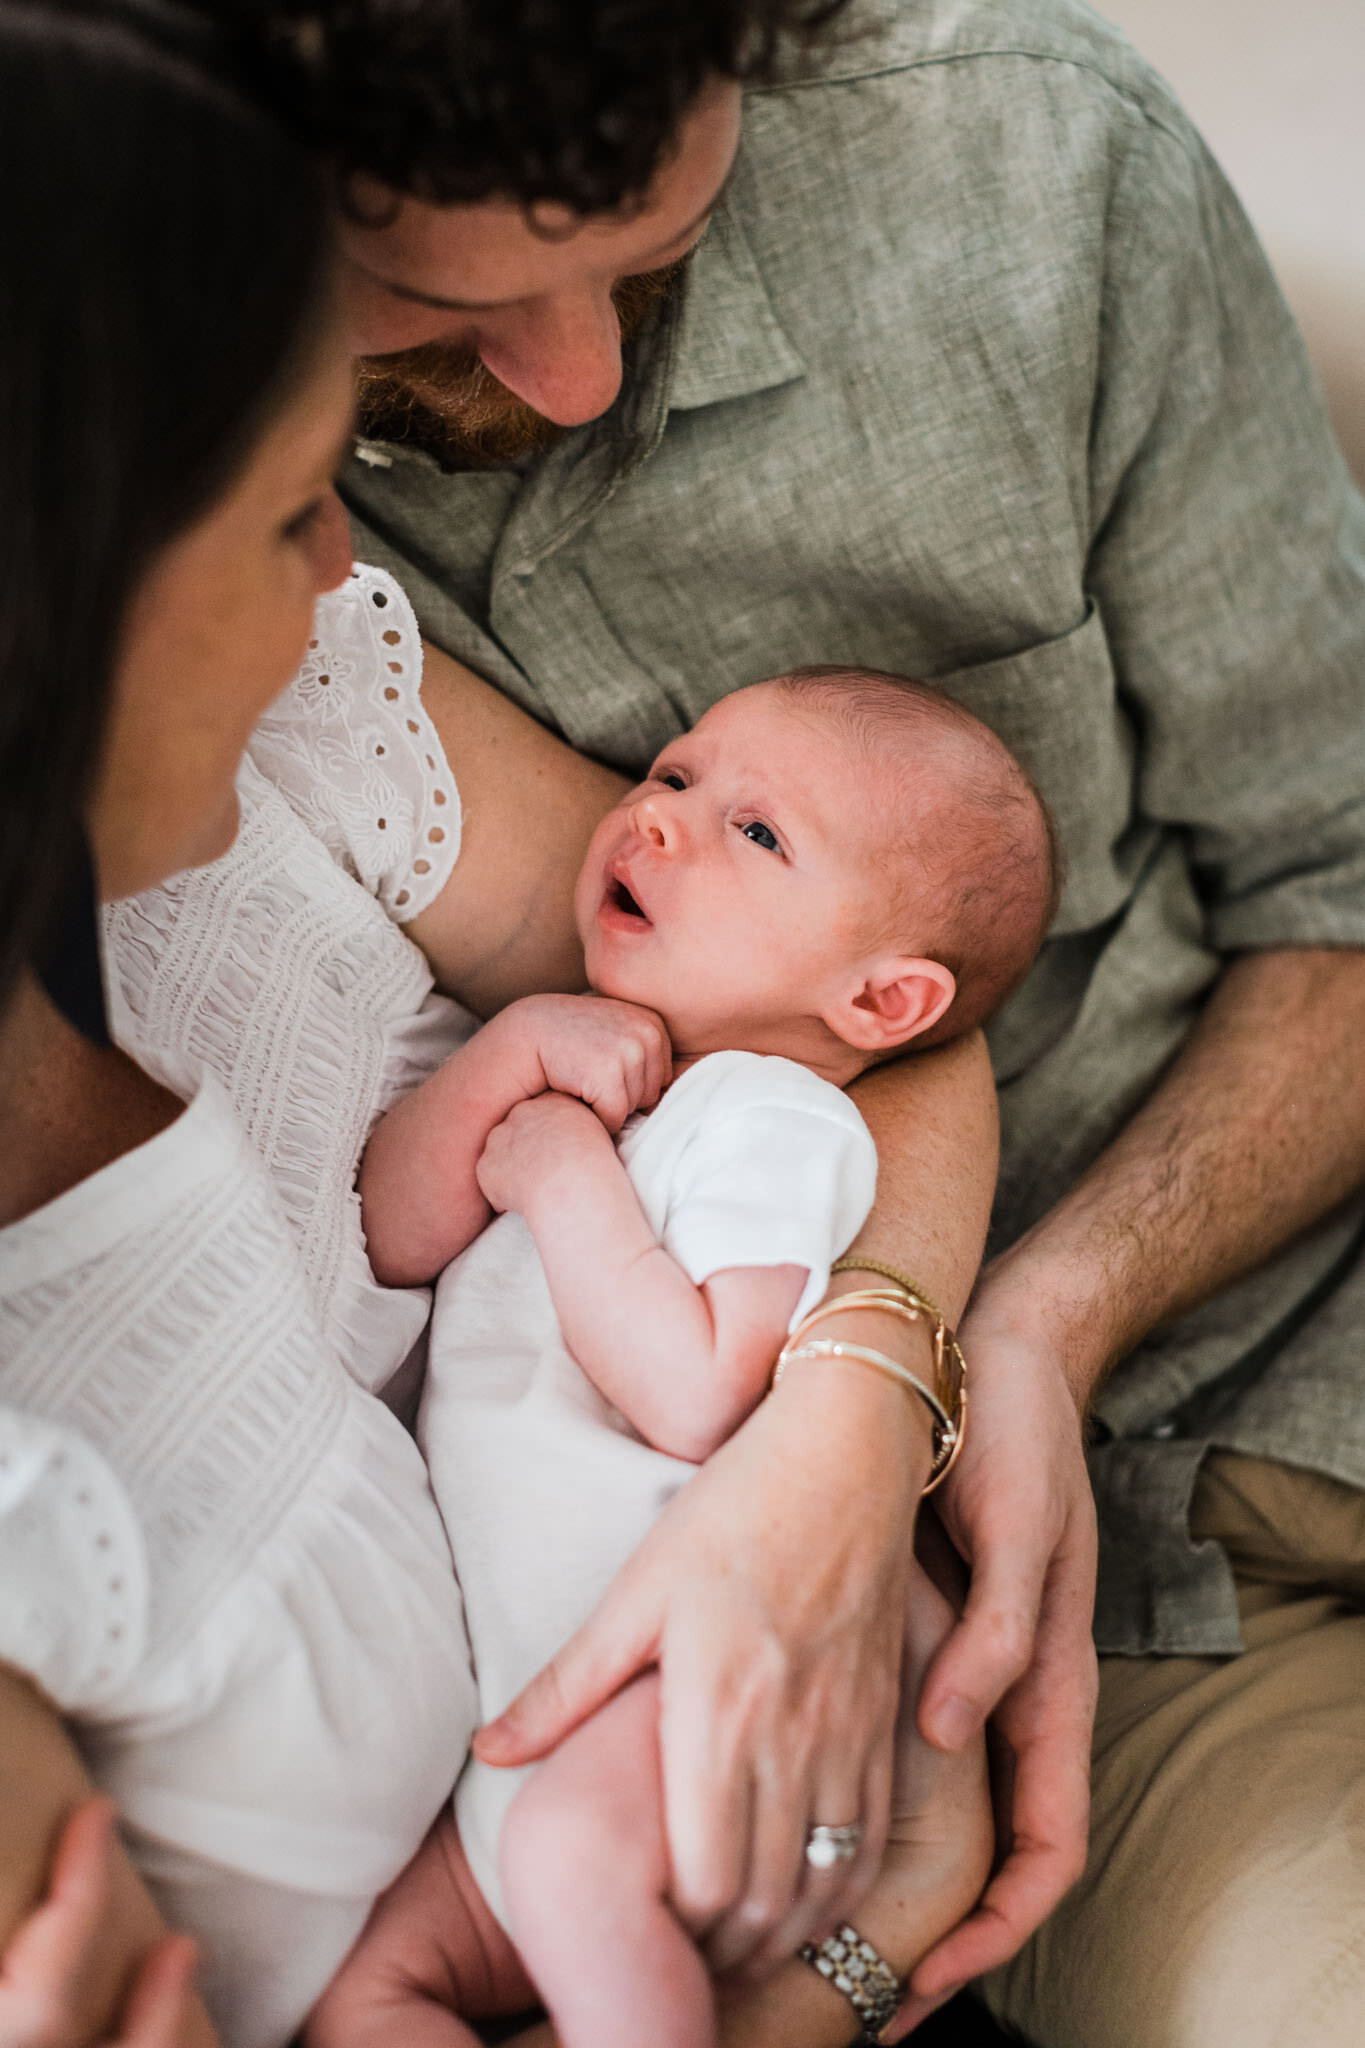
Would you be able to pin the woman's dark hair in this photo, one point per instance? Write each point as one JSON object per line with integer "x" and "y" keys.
{"x": 163, "y": 267}
{"x": 454, "y": 101}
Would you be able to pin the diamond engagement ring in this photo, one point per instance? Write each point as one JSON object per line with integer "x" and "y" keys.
{"x": 827, "y": 1846}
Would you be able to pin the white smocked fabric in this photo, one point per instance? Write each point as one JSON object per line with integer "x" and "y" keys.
{"x": 281, "y": 969}
{"x": 221, "y": 1556}
{"x": 544, "y": 1487}
{"x": 223, "y": 1561}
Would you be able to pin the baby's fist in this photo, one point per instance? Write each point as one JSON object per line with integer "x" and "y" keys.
{"x": 614, "y": 1056}
{"x": 535, "y": 1143}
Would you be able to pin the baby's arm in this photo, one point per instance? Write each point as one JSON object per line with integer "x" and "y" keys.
{"x": 421, "y": 1202}
{"x": 683, "y": 1363}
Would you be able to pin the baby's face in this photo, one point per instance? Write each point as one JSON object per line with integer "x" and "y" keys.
{"x": 735, "y": 887}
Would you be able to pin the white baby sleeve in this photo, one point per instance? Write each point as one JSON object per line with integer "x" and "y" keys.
{"x": 350, "y": 747}
{"x": 780, "y": 1171}
{"x": 73, "y": 1588}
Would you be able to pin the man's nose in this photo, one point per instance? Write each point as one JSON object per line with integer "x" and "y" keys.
{"x": 561, "y": 354}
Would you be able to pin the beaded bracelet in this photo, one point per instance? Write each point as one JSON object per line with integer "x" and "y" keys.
{"x": 908, "y": 1287}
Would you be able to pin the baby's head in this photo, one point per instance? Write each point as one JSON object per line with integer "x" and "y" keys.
{"x": 828, "y": 865}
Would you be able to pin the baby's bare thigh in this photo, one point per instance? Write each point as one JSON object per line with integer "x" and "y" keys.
{"x": 430, "y": 1939}
{"x": 586, "y": 1830}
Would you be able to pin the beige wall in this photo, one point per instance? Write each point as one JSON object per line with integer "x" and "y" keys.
{"x": 1278, "y": 87}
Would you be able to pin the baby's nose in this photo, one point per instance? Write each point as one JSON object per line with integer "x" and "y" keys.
{"x": 655, "y": 824}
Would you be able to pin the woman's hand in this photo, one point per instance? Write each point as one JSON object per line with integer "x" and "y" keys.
{"x": 771, "y": 1595}
{"x": 1019, "y": 1509}
{"x": 44, "y": 1967}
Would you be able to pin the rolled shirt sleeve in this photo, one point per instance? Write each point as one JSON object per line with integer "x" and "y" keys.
{"x": 1228, "y": 560}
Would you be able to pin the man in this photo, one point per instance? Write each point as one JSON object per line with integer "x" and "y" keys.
{"x": 965, "y": 363}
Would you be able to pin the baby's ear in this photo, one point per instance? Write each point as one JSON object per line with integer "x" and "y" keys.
{"x": 890, "y": 1003}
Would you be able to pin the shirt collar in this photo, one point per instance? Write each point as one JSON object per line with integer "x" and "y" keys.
{"x": 730, "y": 341}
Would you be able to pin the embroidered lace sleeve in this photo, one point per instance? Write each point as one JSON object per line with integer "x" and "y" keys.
{"x": 350, "y": 747}
{"x": 73, "y": 1594}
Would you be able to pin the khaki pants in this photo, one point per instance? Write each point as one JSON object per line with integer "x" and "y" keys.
{"x": 1224, "y": 1902}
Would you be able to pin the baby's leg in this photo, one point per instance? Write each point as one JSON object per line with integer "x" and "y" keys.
{"x": 430, "y": 1951}
{"x": 584, "y": 1866}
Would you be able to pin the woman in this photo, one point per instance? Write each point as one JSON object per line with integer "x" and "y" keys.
{"x": 178, "y": 396}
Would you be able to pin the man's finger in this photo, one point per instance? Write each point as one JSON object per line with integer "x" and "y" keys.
{"x": 617, "y": 1641}
{"x": 992, "y": 1646}
{"x": 1050, "y": 1818}
{"x": 911, "y": 2014}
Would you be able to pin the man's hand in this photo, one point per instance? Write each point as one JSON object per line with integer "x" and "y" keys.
{"x": 1255, "y": 1132}
{"x": 614, "y": 1056}
{"x": 536, "y": 1142}
{"x": 1018, "y": 1507}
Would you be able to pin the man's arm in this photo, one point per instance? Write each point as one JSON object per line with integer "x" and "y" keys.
{"x": 1256, "y": 1132}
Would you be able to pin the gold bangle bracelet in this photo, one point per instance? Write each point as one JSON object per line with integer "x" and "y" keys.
{"x": 945, "y": 1430}
{"x": 948, "y": 1399}
{"x": 916, "y": 1293}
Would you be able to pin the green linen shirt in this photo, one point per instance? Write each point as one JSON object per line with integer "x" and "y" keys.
{"x": 979, "y": 374}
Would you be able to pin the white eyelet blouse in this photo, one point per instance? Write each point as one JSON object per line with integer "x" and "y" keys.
{"x": 220, "y": 1554}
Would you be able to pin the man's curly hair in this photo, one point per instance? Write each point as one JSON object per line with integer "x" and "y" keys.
{"x": 454, "y": 101}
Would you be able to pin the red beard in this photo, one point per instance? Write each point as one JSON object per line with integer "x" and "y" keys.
{"x": 440, "y": 398}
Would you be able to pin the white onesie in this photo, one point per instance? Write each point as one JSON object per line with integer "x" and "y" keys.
{"x": 544, "y": 1487}
{"x": 220, "y": 1554}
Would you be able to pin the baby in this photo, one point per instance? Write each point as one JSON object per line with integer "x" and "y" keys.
{"x": 829, "y": 866}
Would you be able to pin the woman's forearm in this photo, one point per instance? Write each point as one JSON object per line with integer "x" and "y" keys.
{"x": 503, "y": 926}
{"x": 41, "y": 1781}
{"x": 934, "y": 1121}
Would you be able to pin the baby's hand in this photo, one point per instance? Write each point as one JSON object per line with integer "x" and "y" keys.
{"x": 616, "y": 1057}
{"x": 44, "y": 1967}
{"x": 536, "y": 1142}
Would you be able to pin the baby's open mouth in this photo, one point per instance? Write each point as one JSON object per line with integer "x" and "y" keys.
{"x": 620, "y": 897}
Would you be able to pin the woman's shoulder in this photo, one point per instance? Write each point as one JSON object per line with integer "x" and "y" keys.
{"x": 350, "y": 747}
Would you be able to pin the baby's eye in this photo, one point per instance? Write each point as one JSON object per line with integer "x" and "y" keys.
{"x": 670, "y": 778}
{"x": 761, "y": 835}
